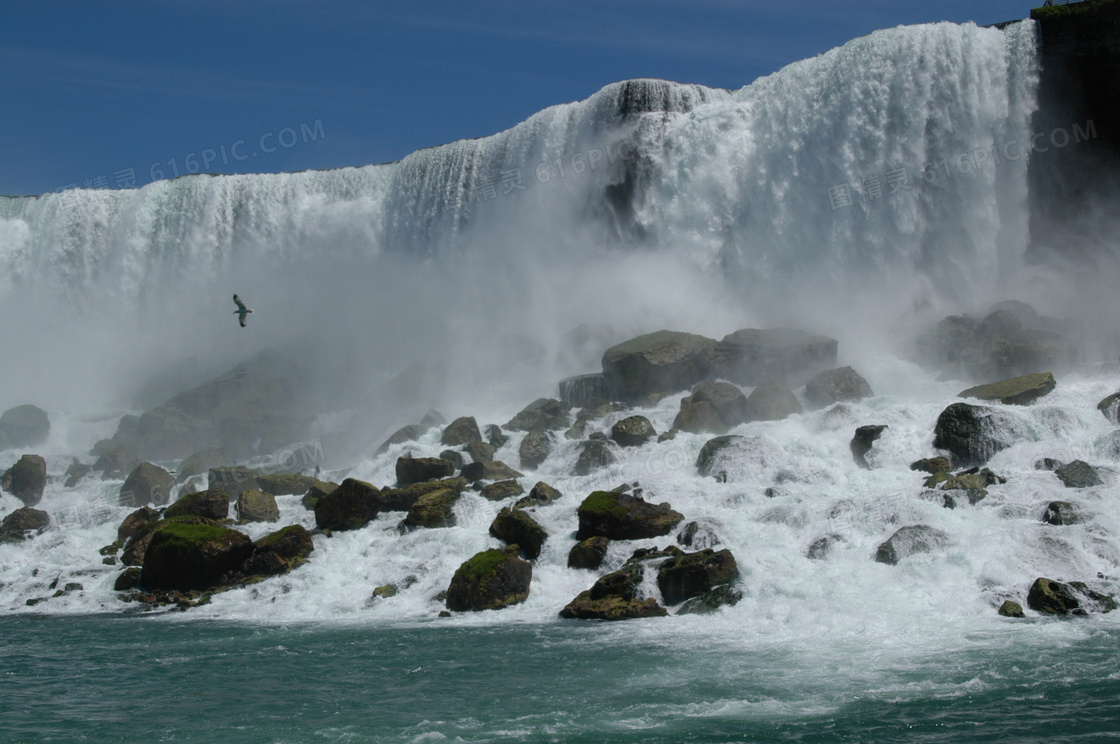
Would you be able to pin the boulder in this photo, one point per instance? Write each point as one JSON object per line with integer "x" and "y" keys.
{"x": 407, "y": 433}
{"x": 200, "y": 462}
{"x": 1019, "y": 391}
{"x": 594, "y": 454}
{"x": 25, "y": 426}
{"x": 633, "y": 431}
{"x": 861, "y": 443}
{"x": 22, "y": 523}
{"x": 75, "y": 472}
{"x": 589, "y": 553}
{"x": 621, "y": 516}
{"x": 212, "y": 503}
{"x": 822, "y": 546}
{"x": 614, "y": 597}
{"x": 147, "y": 484}
{"x": 695, "y": 535}
{"x": 972, "y": 434}
{"x": 543, "y": 413}
{"x": 540, "y": 495}
{"x": 495, "y": 437}
{"x": 489, "y": 470}
{"x": 490, "y": 580}
{"x": 842, "y": 384}
{"x": 1110, "y": 407}
{"x": 454, "y": 457}
{"x": 699, "y": 416}
{"x": 128, "y": 579}
{"x": 775, "y": 356}
{"x": 909, "y": 541}
{"x": 257, "y": 506}
{"x": 706, "y": 461}
{"x": 233, "y": 480}
{"x": 771, "y": 403}
{"x": 462, "y": 430}
{"x": 1062, "y": 513}
{"x": 192, "y": 556}
{"x": 502, "y": 490}
{"x": 351, "y": 506}
{"x": 115, "y": 462}
{"x": 137, "y": 547}
{"x": 280, "y": 551}
{"x": 1011, "y": 609}
{"x": 433, "y": 509}
{"x": 1052, "y": 597}
{"x": 575, "y": 392}
{"x": 285, "y": 484}
{"x": 515, "y": 527}
{"x": 689, "y": 575}
{"x": 727, "y": 400}
{"x": 402, "y": 499}
{"x": 480, "y": 451}
{"x": 535, "y": 448}
{"x": 1078, "y": 474}
{"x": 419, "y": 469}
{"x": 932, "y": 465}
{"x": 134, "y": 521}
{"x": 26, "y": 479}
{"x": 661, "y": 362}
{"x": 317, "y": 491}
{"x": 711, "y": 600}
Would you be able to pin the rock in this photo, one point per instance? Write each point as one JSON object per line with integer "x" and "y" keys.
{"x": 137, "y": 547}
{"x": 147, "y": 484}
{"x": 317, "y": 491}
{"x": 686, "y": 576}
{"x": 490, "y": 580}
{"x": 909, "y": 541}
{"x": 575, "y": 392}
{"x": 76, "y": 472}
{"x": 419, "y": 469}
{"x": 279, "y": 552}
{"x": 540, "y": 495}
{"x": 402, "y": 499}
{"x": 1078, "y": 474}
{"x": 699, "y": 416}
{"x": 594, "y": 454}
{"x": 773, "y": 356}
{"x": 515, "y": 527}
{"x": 1110, "y": 407}
{"x": 972, "y": 434}
{"x": 621, "y": 516}
{"x": 865, "y": 436}
{"x": 1052, "y": 597}
{"x": 543, "y": 413}
{"x": 433, "y": 509}
{"x": 661, "y": 362}
{"x": 495, "y": 437}
{"x": 711, "y": 600}
{"x": 614, "y": 597}
{"x": 25, "y": 426}
{"x": 535, "y": 448}
{"x": 201, "y": 462}
{"x": 771, "y": 403}
{"x": 26, "y": 479}
{"x": 454, "y": 457}
{"x": 932, "y": 465}
{"x": 233, "y": 480}
{"x": 480, "y": 451}
{"x": 135, "y": 521}
{"x": 1062, "y": 513}
{"x": 115, "y": 462}
{"x": 285, "y": 484}
{"x": 351, "y": 506}
{"x": 709, "y": 454}
{"x": 192, "y": 556}
{"x": 128, "y": 579}
{"x": 694, "y": 535}
{"x": 1018, "y": 391}
{"x": 212, "y": 503}
{"x": 502, "y": 490}
{"x": 633, "y": 431}
{"x": 822, "y": 546}
{"x": 257, "y": 506}
{"x": 727, "y": 400}
{"x": 22, "y": 522}
{"x": 407, "y": 433}
{"x": 589, "y": 553}
{"x": 489, "y": 470}
{"x": 385, "y": 591}
{"x": 462, "y": 430}
{"x": 842, "y": 384}
{"x": 1011, "y": 609}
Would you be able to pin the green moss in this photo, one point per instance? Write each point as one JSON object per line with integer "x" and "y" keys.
{"x": 603, "y": 502}
{"x": 183, "y": 534}
{"x": 1052, "y": 12}
{"x": 274, "y": 537}
{"x": 482, "y": 566}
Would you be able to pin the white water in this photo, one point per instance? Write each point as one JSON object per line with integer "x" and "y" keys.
{"x": 727, "y": 223}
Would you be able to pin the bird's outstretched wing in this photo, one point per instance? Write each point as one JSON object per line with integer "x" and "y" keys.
{"x": 244, "y": 317}
{"x": 240, "y": 306}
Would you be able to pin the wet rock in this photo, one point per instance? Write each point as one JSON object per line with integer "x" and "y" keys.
{"x": 1110, "y": 408}
{"x": 115, "y": 462}
{"x": 589, "y": 553}
{"x": 135, "y": 521}
{"x": 515, "y": 527}
{"x": 147, "y": 484}
{"x": 1078, "y": 474}
{"x": 495, "y": 437}
{"x": 351, "y": 506}
{"x": 575, "y": 392}
{"x": 621, "y": 516}
{"x": 285, "y": 484}
{"x": 1062, "y": 513}
{"x": 909, "y": 541}
{"x": 633, "y": 431}
{"x": 233, "y": 480}
{"x": 23, "y": 523}
{"x": 407, "y": 433}
{"x": 707, "y": 459}
{"x": 699, "y": 416}
{"x": 137, "y": 547}
{"x": 192, "y": 556}
{"x": 462, "y": 430}
{"x": 540, "y": 495}
{"x": 822, "y": 546}
{"x": 614, "y": 597}
{"x": 1018, "y": 391}
{"x": 861, "y": 443}
{"x": 279, "y": 552}
{"x": 128, "y": 579}
{"x": 502, "y": 490}
{"x": 490, "y": 580}
{"x": 842, "y": 384}
{"x": 1011, "y": 609}
{"x": 1048, "y": 463}
{"x": 771, "y": 403}
{"x": 660, "y": 362}
{"x": 713, "y": 406}
{"x": 433, "y": 509}
{"x": 535, "y": 448}
{"x": 932, "y": 465}
{"x": 480, "y": 452}
{"x": 26, "y": 479}
{"x": 76, "y": 472}
{"x": 454, "y": 457}
{"x": 543, "y": 413}
{"x": 772, "y": 356}
{"x": 402, "y": 499}
{"x": 972, "y": 434}
{"x": 711, "y": 600}
{"x": 213, "y": 503}
{"x": 201, "y": 462}
{"x": 317, "y": 491}
{"x": 257, "y": 506}
{"x": 419, "y": 469}
{"x": 489, "y": 470}
{"x": 594, "y": 454}
{"x": 695, "y": 535}
{"x": 25, "y": 426}
{"x": 1052, "y": 597}
{"x": 686, "y": 576}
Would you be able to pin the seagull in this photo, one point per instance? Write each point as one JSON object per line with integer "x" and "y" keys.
{"x": 241, "y": 312}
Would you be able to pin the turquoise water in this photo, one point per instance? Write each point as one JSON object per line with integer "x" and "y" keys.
{"x": 130, "y": 679}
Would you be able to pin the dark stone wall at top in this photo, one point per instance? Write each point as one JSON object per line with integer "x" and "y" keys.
{"x": 1080, "y": 83}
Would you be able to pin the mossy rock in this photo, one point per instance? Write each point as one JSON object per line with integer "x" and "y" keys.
{"x": 690, "y": 575}
{"x": 502, "y": 490}
{"x": 490, "y": 580}
{"x": 193, "y": 556}
{"x": 594, "y": 454}
{"x": 1011, "y": 609}
{"x": 411, "y": 470}
{"x": 26, "y": 479}
{"x": 279, "y": 552}
{"x": 908, "y": 541}
{"x": 932, "y": 465}
{"x": 402, "y": 499}
{"x": 257, "y": 506}
{"x": 489, "y": 470}
{"x": 633, "y": 431}
{"x": 699, "y": 416}
{"x": 539, "y": 495}
{"x": 351, "y": 506}
{"x": 134, "y": 521}
{"x": 23, "y": 522}
{"x": 316, "y": 491}
{"x": 622, "y": 516}
{"x": 286, "y": 484}
{"x": 201, "y": 462}
{"x": 433, "y": 509}
{"x": 1019, "y": 391}
{"x": 711, "y": 600}
{"x": 589, "y": 553}
{"x": 543, "y": 413}
{"x": 213, "y": 503}
{"x": 535, "y": 448}
{"x": 136, "y": 548}
{"x": 233, "y": 480}
{"x": 462, "y": 430}
{"x": 515, "y": 527}
{"x": 771, "y": 403}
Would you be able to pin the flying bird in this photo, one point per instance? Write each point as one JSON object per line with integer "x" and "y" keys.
{"x": 241, "y": 312}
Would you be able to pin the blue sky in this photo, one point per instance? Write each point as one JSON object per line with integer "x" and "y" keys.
{"x": 92, "y": 93}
